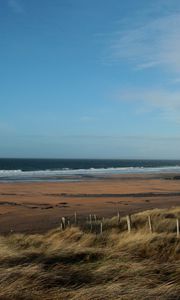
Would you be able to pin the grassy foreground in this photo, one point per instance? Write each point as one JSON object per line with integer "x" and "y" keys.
{"x": 76, "y": 264}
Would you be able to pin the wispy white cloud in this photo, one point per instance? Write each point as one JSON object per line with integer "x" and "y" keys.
{"x": 118, "y": 137}
{"x": 151, "y": 43}
{"x": 6, "y": 129}
{"x": 86, "y": 119}
{"x": 165, "y": 101}
{"x": 175, "y": 80}
{"x": 15, "y": 6}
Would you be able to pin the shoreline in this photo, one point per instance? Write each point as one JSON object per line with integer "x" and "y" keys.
{"x": 48, "y": 176}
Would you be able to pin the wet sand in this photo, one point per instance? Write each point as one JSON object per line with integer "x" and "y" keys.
{"x": 37, "y": 207}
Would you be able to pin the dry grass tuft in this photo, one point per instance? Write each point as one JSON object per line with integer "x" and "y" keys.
{"x": 77, "y": 264}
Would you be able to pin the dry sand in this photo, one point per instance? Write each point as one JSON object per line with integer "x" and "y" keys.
{"x": 37, "y": 207}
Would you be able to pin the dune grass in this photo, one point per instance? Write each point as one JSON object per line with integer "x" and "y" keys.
{"x": 77, "y": 264}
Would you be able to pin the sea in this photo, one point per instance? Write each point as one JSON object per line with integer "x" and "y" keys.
{"x": 27, "y": 170}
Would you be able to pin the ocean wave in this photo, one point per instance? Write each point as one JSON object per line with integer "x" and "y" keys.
{"x": 20, "y": 174}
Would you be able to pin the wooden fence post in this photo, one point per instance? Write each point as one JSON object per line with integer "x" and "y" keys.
{"x": 61, "y": 226}
{"x": 118, "y": 216}
{"x": 101, "y": 228}
{"x": 91, "y": 226}
{"x": 75, "y": 218}
{"x": 150, "y": 224}
{"x": 128, "y": 218}
{"x": 90, "y": 220}
{"x": 177, "y": 225}
{"x": 63, "y": 223}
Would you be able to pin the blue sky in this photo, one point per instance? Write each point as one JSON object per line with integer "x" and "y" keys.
{"x": 90, "y": 78}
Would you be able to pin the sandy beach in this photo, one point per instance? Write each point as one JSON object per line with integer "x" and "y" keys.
{"x": 37, "y": 207}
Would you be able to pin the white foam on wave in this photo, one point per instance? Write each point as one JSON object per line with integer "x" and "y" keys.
{"x": 53, "y": 174}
